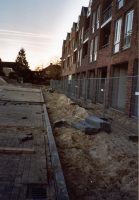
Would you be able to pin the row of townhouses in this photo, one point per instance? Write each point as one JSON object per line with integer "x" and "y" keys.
{"x": 104, "y": 44}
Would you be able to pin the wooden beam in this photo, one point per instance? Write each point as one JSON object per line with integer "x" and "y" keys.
{"x": 16, "y": 150}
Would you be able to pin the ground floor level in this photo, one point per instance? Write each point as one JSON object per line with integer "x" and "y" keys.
{"x": 113, "y": 85}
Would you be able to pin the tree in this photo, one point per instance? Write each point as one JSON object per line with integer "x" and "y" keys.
{"x": 21, "y": 67}
{"x": 54, "y": 60}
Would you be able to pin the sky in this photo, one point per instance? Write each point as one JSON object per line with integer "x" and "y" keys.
{"x": 38, "y": 26}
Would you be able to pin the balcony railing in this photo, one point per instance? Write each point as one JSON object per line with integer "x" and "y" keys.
{"x": 86, "y": 35}
{"x": 107, "y": 14}
{"x": 75, "y": 45}
{"x": 127, "y": 40}
{"x": 104, "y": 46}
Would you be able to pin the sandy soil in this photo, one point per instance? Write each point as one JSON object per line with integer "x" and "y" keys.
{"x": 102, "y": 166}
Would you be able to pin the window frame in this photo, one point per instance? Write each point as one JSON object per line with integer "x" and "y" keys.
{"x": 95, "y": 48}
{"x": 93, "y": 21}
{"x": 91, "y": 51}
{"x": 118, "y": 3}
{"x": 98, "y": 17}
{"x": 117, "y": 34}
{"x": 128, "y": 28}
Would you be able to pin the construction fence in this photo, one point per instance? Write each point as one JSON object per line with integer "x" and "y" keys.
{"x": 114, "y": 98}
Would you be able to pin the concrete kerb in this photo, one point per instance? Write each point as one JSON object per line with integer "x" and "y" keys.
{"x": 61, "y": 189}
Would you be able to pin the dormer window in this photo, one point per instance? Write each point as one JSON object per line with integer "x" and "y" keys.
{"x": 89, "y": 8}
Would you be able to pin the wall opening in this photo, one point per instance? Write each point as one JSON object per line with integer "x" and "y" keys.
{"x": 135, "y": 91}
{"x": 91, "y": 85}
{"x": 102, "y": 74}
{"x": 118, "y": 86}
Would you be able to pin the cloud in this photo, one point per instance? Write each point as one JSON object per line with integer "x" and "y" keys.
{"x": 23, "y": 41}
{"x": 26, "y": 43}
{"x": 25, "y": 34}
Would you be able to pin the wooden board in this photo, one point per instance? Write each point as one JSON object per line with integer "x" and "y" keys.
{"x": 16, "y": 150}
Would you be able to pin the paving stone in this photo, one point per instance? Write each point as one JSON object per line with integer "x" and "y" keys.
{"x": 12, "y": 115}
{"x": 87, "y": 129}
{"x": 93, "y": 120}
{"x": 17, "y": 170}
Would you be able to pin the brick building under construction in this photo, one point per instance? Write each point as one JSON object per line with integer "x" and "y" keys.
{"x": 103, "y": 46}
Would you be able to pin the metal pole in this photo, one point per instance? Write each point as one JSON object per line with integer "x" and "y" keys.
{"x": 86, "y": 91}
{"x": 67, "y": 88}
{"x": 76, "y": 91}
{"x": 104, "y": 98}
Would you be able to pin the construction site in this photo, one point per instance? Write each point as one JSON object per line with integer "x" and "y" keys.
{"x": 52, "y": 147}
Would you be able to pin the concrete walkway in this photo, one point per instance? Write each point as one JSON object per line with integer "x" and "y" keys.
{"x": 24, "y": 176}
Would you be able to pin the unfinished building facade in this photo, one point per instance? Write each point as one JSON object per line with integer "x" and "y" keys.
{"x": 103, "y": 46}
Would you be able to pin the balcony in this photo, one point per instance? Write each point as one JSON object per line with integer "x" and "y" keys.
{"x": 70, "y": 67}
{"x": 64, "y": 56}
{"x": 68, "y": 52}
{"x": 127, "y": 40}
{"x": 78, "y": 64}
{"x": 75, "y": 45}
{"x": 106, "y": 16}
{"x": 104, "y": 46}
{"x": 86, "y": 35}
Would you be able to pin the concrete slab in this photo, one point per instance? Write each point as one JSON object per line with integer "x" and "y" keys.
{"x": 94, "y": 129}
{"x": 20, "y": 96}
{"x": 93, "y": 120}
{"x": 19, "y": 88}
{"x": 87, "y": 129}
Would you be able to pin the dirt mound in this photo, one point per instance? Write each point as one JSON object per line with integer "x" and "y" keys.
{"x": 63, "y": 99}
{"x": 77, "y": 114}
{"x": 101, "y": 166}
{"x": 2, "y": 81}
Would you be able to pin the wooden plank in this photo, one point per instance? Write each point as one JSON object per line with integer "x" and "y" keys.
{"x": 16, "y": 150}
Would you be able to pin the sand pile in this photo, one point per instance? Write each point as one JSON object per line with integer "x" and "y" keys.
{"x": 101, "y": 166}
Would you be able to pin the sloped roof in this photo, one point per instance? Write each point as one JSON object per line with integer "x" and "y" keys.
{"x": 58, "y": 67}
{"x": 7, "y": 64}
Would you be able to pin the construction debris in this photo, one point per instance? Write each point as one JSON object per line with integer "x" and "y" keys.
{"x": 105, "y": 126}
{"x": 50, "y": 90}
{"x": 16, "y": 150}
{"x": 85, "y": 127}
{"x": 133, "y": 138}
{"x": 60, "y": 123}
{"x": 26, "y": 137}
{"x": 24, "y": 117}
{"x": 92, "y": 125}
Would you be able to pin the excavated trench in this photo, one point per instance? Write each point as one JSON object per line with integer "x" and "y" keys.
{"x": 101, "y": 166}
